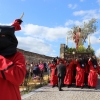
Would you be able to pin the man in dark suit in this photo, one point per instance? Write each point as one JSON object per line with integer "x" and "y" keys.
{"x": 61, "y": 72}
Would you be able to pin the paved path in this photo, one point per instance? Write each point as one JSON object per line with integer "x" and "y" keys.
{"x": 49, "y": 93}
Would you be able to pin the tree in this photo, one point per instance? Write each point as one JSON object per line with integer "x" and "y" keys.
{"x": 86, "y": 29}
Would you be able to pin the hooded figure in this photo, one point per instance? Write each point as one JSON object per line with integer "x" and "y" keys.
{"x": 86, "y": 70}
{"x": 69, "y": 73}
{"x": 94, "y": 62}
{"x": 80, "y": 69}
{"x": 82, "y": 62}
{"x": 12, "y": 63}
{"x": 93, "y": 73}
{"x": 8, "y": 41}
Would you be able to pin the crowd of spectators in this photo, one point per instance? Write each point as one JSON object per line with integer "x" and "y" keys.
{"x": 37, "y": 70}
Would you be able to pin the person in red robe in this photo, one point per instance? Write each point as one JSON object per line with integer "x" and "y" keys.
{"x": 60, "y": 59}
{"x": 12, "y": 64}
{"x": 98, "y": 67}
{"x": 93, "y": 73}
{"x": 86, "y": 71}
{"x": 69, "y": 73}
{"x": 74, "y": 71}
{"x": 80, "y": 72}
{"x": 53, "y": 77}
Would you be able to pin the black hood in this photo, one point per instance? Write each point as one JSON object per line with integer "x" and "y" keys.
{"x": 8, "y": 41}
{"x": 94, "y": 62}
{"x": 82, "y": 62}
{"x": 86, "y": 60}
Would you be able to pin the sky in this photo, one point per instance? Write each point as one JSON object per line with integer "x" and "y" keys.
{"x": 47, "y": 22}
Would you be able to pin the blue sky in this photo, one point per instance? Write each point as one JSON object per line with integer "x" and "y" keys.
{"x": 46, "y": 22}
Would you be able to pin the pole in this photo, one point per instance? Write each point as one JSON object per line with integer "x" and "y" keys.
{"x": 22, "y": 16}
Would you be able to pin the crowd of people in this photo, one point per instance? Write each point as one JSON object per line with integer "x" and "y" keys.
{"x": 36, "y": 70}
{"x": 81, "y": 71}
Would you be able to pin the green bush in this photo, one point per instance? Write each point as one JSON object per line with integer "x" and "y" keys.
{"x": 81, "y": 49}
{"x": 70, "y": 50}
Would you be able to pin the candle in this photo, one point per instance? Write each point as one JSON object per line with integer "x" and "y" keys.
{"x": 88, "y": 40}
{"x": 67, "y": 41}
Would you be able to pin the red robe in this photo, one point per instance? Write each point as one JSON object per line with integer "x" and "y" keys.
{"x": 12, "y": 73}
{"x": 98, "y": 69}
{"x": 69, "y": 74}
{"x": 53, "y": 77}
{"x": 80, "y": 72}
{"x": 93, "y": 75}
{"x": 63, "y": 61}
{"x": 74, "y": 71}
{"x": 86, "y": 74}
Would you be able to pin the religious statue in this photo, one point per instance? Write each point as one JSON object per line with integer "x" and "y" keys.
{"x": 77, "y": 37}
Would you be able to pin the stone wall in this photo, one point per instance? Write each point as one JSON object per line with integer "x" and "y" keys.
{"x": 34, "y": 57}
{"x": 62, "y": 50}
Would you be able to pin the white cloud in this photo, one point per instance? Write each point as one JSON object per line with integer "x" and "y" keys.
{"x": 50, "y": 34}
{"x": 81, "y": 0}
{"x": 69, "y": 22}
{"x": 94, "y": 39}
{"x": 76, "y": 22}
{"x": 79, "y": 13}
{"x": 88, "y": 14}
{"x": 97, "y": 53}
{"x": 72, "y": 22}
{"x": 35, "y": 45}
{"x": 72, "y": 6}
